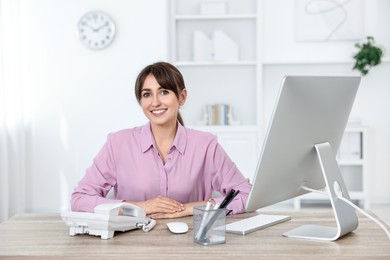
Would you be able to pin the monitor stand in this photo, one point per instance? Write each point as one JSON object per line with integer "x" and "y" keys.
{"x": 345, "y": 215}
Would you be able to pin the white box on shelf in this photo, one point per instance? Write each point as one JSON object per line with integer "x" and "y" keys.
{"x": 225, "y": 49}
{"x": 202, "y": 47}
{"x": 213, "y": 7}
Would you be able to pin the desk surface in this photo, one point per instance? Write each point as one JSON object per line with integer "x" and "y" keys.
{"x": 37, "y": 236}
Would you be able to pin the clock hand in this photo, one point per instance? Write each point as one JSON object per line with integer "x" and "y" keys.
{"x": 100, "y": 27}
{"x": 89, "y": 26}
{"x": 96, "y": 29}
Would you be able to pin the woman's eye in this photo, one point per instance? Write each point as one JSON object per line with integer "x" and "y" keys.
{"x": 145, "y": 94}
{"x": 164, "y": 92}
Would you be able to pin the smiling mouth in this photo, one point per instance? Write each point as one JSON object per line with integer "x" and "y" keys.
{"x": 158, "y": 112}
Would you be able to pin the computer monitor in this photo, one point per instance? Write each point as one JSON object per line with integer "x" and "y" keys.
{"x": 311, "y": 112}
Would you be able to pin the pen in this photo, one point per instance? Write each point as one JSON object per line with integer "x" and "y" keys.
{"x": 204, "y": 218}
{"x": 232, "y": 197}
{"x": 226, "y": 201}
{"x": 224, "y": 204}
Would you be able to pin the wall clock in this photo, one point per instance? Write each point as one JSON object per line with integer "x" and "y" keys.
{"x": 96, "y": 30}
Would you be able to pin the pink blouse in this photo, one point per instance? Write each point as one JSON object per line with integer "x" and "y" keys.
{"x": 196, "y": 168}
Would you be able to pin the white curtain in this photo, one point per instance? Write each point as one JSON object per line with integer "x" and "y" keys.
{"x": 12, "y": 114}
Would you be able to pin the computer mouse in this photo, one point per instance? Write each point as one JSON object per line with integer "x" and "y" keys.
{"x": 177, "y": 227}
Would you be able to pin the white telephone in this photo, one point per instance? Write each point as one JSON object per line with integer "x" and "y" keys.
{"x": 105, "y": 220}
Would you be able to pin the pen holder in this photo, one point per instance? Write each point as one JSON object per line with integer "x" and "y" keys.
{"x": 209, "y": 226}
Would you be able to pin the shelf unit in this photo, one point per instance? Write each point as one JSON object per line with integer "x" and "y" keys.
{"x": 213, "y": 82}
{"x": 352, "y": 161}
{"x": 242, "y": 144}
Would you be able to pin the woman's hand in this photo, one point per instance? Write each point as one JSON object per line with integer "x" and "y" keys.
{"x": 187, "y": 211}
{"x": 160, "y": 204}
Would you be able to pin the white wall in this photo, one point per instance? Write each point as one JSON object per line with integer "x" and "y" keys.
{"x": 285, "y": 56}
{"x": 77, "y": 95}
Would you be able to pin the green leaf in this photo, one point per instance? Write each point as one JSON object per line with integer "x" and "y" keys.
{"x": 368, "y": 56}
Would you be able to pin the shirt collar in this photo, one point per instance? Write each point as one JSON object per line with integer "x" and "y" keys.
{"x": 147, "y": 139}
{"x": 180, "y": 140}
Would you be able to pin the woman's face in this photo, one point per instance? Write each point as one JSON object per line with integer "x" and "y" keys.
{"x": 160, "y": 105}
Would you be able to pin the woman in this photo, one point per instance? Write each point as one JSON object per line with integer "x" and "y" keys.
{"x": 162, "y": 167}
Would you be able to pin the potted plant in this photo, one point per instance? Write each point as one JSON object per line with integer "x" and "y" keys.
{"x": 369, "y": 55}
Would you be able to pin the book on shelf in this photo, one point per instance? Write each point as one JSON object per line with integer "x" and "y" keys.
{"x": 218, "y": 114}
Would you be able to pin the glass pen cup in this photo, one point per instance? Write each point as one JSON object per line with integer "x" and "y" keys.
{"x": 209, "y": 225}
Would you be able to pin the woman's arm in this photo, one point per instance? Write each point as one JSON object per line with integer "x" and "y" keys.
{"x": 226, "y": 177}
{"x": 187, "y": 211}
{"x": 100, "y": 177}
{"x": 160, "y": 205}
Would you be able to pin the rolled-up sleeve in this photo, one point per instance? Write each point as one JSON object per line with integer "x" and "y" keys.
{"x": 226, "y": 177}
{"x": 97, "y": 182}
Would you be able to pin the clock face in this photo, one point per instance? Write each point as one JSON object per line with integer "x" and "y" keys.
{"x": 96, "y": 30}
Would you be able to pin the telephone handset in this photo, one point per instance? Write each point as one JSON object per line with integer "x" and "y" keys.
{"x": 106, "y": 220}
{"x": 113, "y": 209}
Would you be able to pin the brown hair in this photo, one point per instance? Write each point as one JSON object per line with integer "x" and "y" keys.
{"x": 167, "y": 76}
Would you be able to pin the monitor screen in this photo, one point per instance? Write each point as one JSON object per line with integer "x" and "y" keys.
{"x": 309, "y": 110}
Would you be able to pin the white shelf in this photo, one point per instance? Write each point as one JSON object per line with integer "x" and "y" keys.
{"x": 307, "y": 62}
{"x": 354, "y": 171}
{"x": 215, "y": 63}
{"x": 314, "y": 62}
{"x": 226, "y": 128}
{"x": 354, "y": 195}
{"x": 215, "y": 17}
{"x": 218, "y": 82}
{"x": 351, "y": 162}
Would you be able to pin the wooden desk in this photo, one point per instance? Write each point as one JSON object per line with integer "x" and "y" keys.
{"x": 37, "y": 236}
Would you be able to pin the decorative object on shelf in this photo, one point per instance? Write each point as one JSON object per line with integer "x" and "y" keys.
{"x": 225, "y": 49}
{"x": 218, "y": 114}
{"x": 213, "y": 7}
{"x": 96, "y": 30}
{"x": 369, "y": 55}
{"x": 231, "y": 120}
{"x": 203, "y": 48}
{"x": 219, "y": 48}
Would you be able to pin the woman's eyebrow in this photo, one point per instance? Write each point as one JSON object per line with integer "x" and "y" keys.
{"x": 148, "y": 89}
